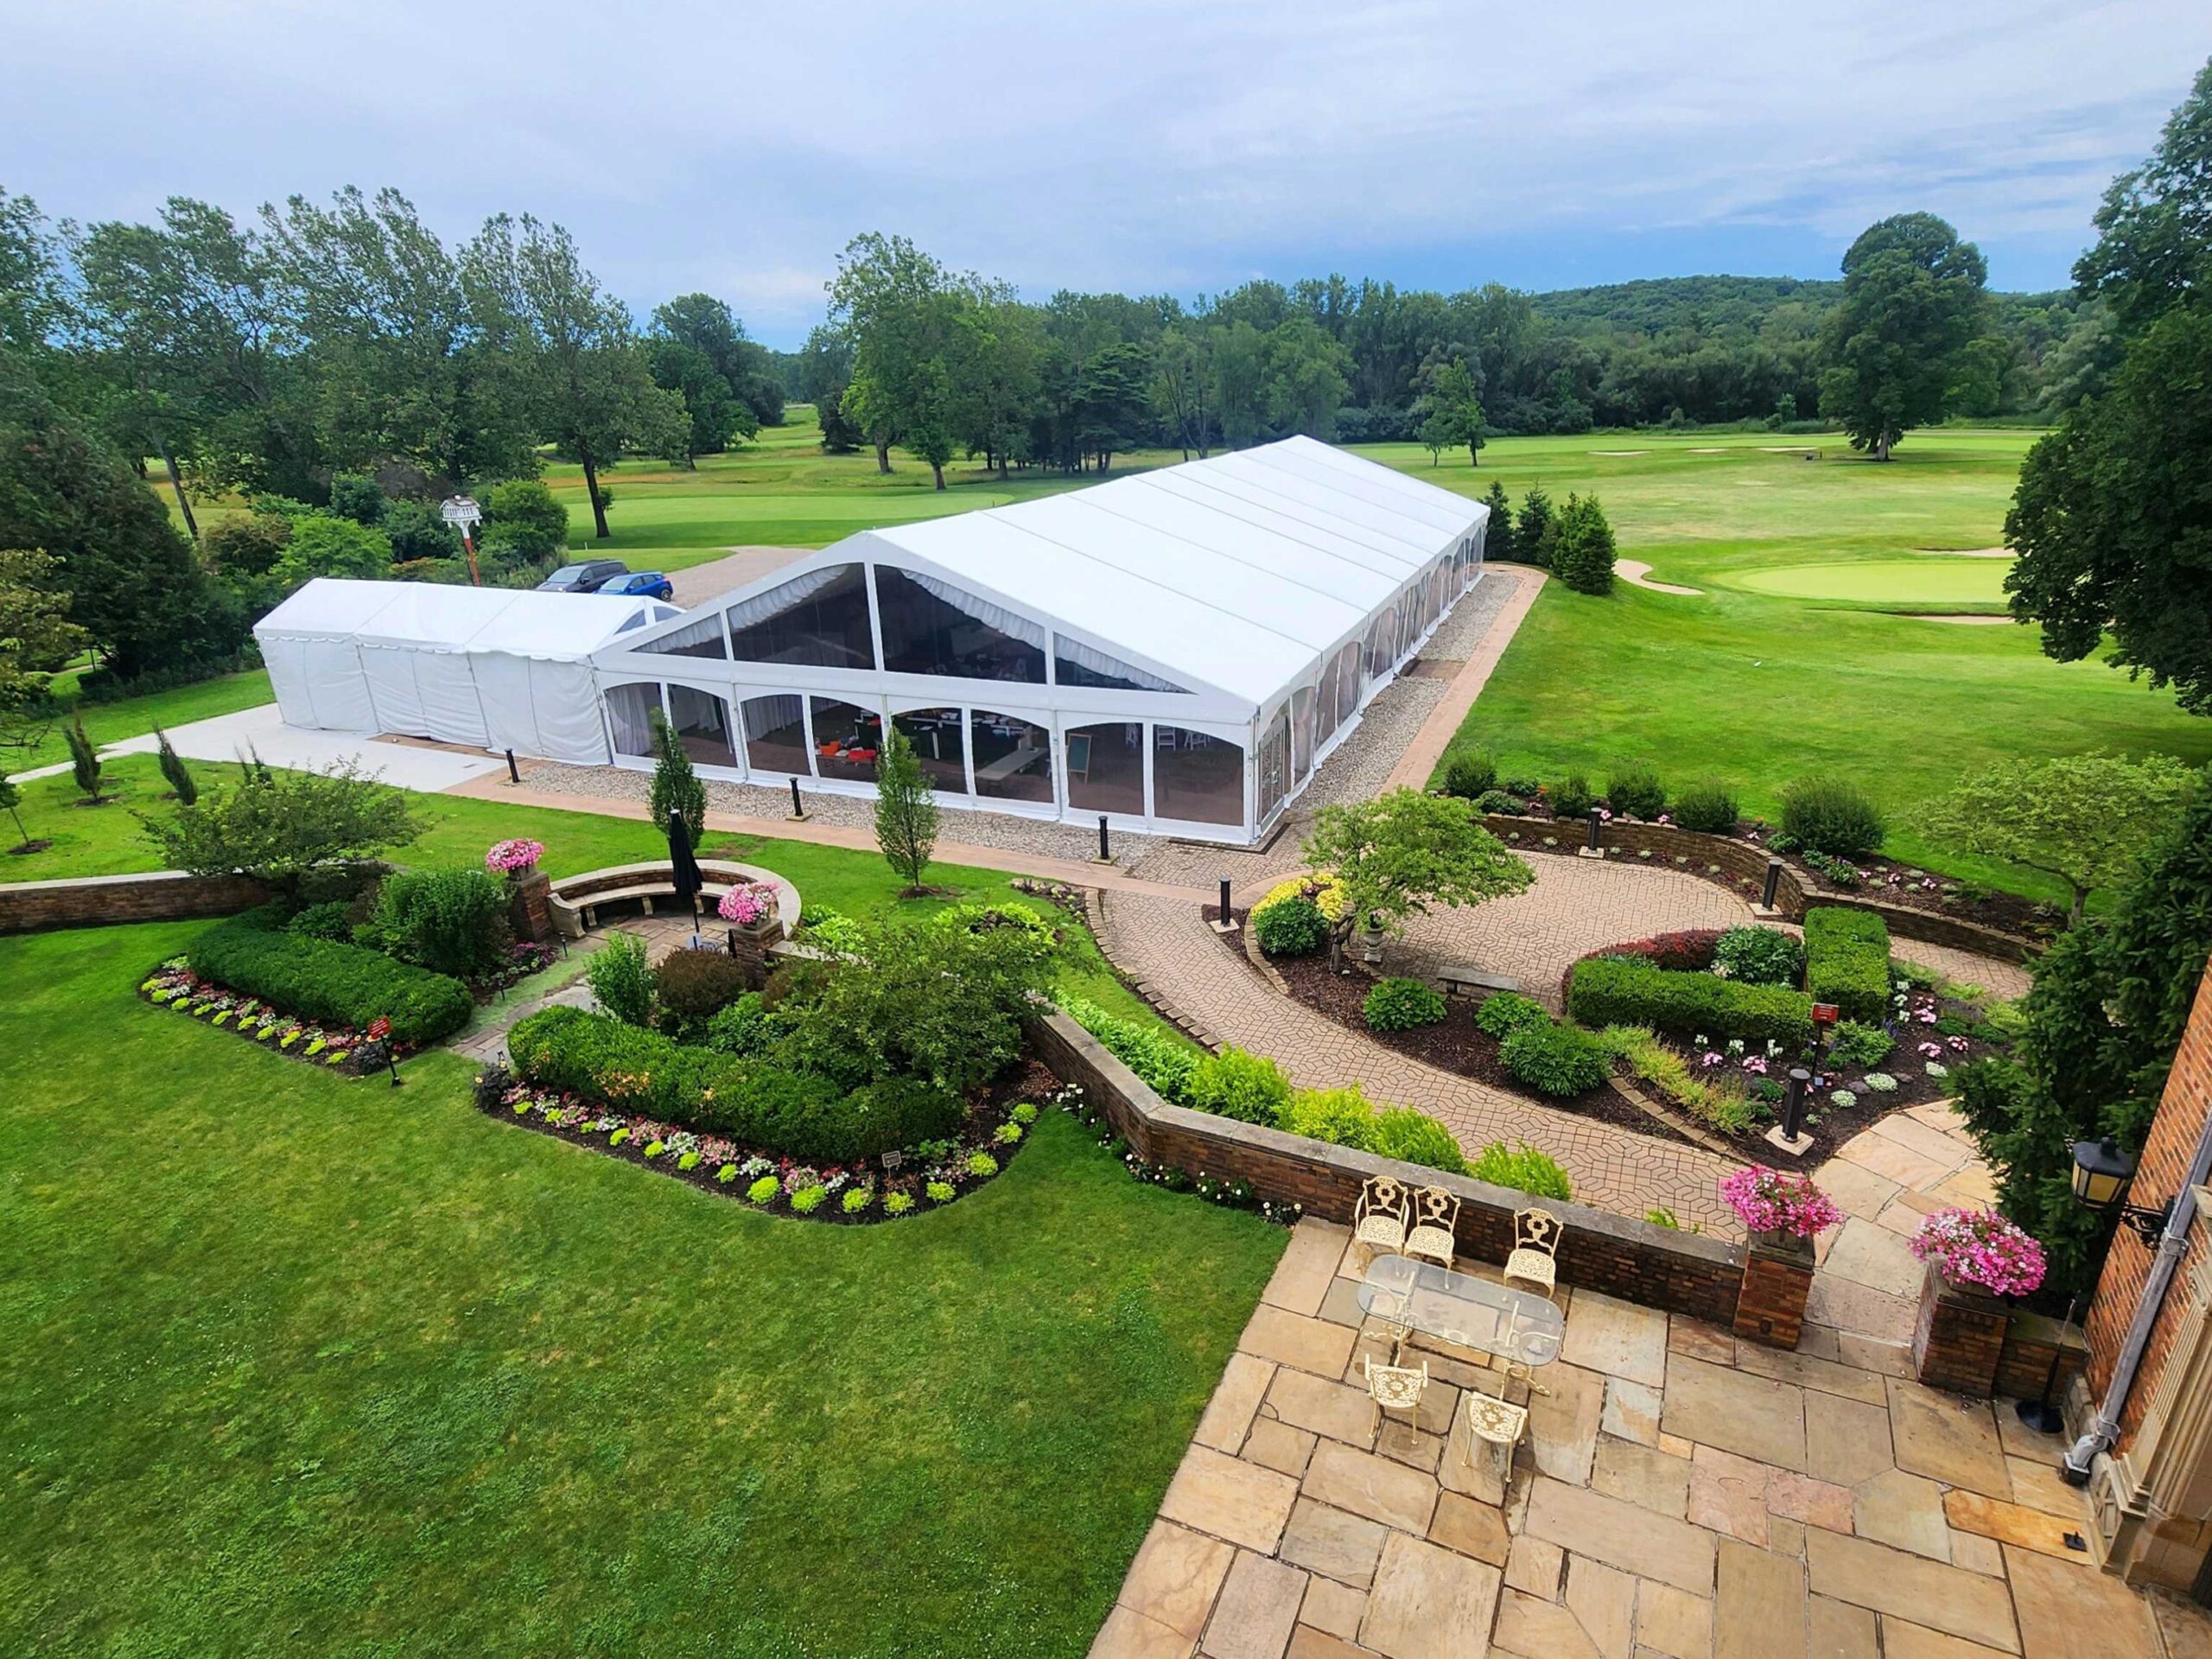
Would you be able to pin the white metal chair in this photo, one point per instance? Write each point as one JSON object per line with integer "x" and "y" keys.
{"x": 1498, "y": 1422}
{"x": 1435, "y": 1226}
{"x": 1535, "y": 1249}
{"x": 1395, "y": 1387}
{"x": 1379, "y": 1220}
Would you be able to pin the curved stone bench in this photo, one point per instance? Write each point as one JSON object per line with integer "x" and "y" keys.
{"x": 576, "y": 901}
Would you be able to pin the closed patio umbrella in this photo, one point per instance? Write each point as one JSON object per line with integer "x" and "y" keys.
{"x": 684, "y": 866}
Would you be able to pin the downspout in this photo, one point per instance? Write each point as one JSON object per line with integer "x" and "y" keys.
{"x": 2106, "y": 1429}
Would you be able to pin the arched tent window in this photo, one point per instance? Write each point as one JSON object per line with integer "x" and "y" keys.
{"x": 1301, "y": 733}
{"x": 1197, "y": 776}
{"x": 937, "y": 735}
{"x": 701, "y": 722}
{"x": 847, "y": 739}
{"x": 816, "y": 620}
{"x": 931, "y": 626}
{"x": 1274, "y": 764}
{"x": 700, "y": 639}
{"x": 1105, "y": 765}
{"x": 1076, "y": 663}
{"x": 629, "y": 710}
{"x": 1014, "y": 757}
{"x": 1347, "y": 684}
{"x": 775, "y": 734}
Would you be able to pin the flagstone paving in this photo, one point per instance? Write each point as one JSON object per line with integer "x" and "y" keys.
{"x": 1759, "y": 1505}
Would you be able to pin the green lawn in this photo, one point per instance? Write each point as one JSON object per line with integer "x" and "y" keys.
{"x": 1759, "y": 688}
{"x": 110, "y": 722}
{"x": 291, "y": 1364}
{"x": 107, "y": 841}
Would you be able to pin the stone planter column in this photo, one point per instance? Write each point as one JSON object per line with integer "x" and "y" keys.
{"x": 530, "y": 906}
{"x": 1959, "y": 1338}
{"x": 750, "y": 946}
{"x": 1777, "y": 1275}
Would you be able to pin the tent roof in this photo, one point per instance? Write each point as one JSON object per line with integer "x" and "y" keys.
{"x": 1235, "y": 572}
{"x": 434, "y": 616}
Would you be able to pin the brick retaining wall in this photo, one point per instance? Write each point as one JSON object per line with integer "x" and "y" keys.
{"x": 155, "y": 896}
{"x": 1657, "y": 1267}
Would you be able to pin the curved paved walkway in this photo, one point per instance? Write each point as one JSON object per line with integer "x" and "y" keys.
{"x": 1166, "y": 941}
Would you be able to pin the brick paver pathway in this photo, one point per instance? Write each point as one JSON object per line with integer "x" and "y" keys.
{"x": 1164, "y": 941}
{"x": 1679, "y": 1494}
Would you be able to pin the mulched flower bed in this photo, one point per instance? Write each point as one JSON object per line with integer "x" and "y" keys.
{"x": 176, "y": 987}
{"x": 1897, "y": 884}
{"x": 1454, "y": 1045}
{"x": 897, "y": 1183}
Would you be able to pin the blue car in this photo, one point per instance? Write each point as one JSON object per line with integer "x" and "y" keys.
{"x": 651, "y": 583}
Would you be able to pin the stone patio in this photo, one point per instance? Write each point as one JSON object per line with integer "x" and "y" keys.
{"x": 1680, "y": 1495}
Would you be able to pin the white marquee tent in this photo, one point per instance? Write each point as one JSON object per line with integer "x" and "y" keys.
{"x": 1175, "y": 651}
{"x": 496, "y": 668}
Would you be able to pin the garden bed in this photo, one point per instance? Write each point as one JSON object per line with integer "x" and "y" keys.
{"x": 176, "y": 987}
{"x": 999, "y": 1117}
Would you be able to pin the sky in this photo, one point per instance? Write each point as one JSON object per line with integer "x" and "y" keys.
{"x": 1140, "y": 146}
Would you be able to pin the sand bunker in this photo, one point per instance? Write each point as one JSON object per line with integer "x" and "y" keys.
{"x": 1635, "y": 572}
{"x": 1968, "y": 552}
{"x": 1969, "y": 621}
{"x": 1620, "y": 451}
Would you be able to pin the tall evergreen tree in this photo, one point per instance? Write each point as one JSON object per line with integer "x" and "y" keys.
{"x": 84, "y": 761}
{"x": 1532, "y": 534}
{"x": 676, "y": 787}
{"x": 1498, "y": 541}
{"x": 173, "y": 769}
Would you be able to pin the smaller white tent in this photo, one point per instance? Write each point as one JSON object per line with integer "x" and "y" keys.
{"x": 496, "y": 668}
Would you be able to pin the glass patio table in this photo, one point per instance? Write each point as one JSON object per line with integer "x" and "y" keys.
{"x": 1519, "y": 1326}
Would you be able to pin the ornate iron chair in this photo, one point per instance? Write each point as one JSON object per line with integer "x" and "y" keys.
{"x": 1497, "y": 1421}
{"x": 1395, "y": 1387}
{"x": 1435, "y": 1229}
{"x": 1379, "y": 1219}
{"x": 1535, "y": 1249}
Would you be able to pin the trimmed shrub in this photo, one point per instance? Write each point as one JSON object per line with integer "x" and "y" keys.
{"x": 1571, "y": 797}
{"x": 328, "y": 920}
{"x": 1622, "y": 991}
{"x": 1855, "y": 1043}
{"x": 1291, "y": 927}
{"x": 1758, "y": 955}
{"x": 1342, "y": 1117}
{"x": 1416, "y": 1138}
{"x": 1163, "y": 1064}
{"x": 1848, "y": 961}
{"x": 1503, "y": 1012}
{"x": 1707, "y": 806}
{"x": 693, "y": 986}
{"x": 1249, "y": 1088}
{"x": 1469, "y": 773}
{"x": 1556, "y": 1059}
{"x": 620, "y": 979}
{"x": 1498, "y": 801}
{"x": 1691, "y": 949}
{"x": 449, "y": 921}
{"x": 1637, "y": 791}
{"x": 1832, "y": 817}
{"x": 1402, "y": 1005}
{"x": 321, "y": 980}
{"x": 1522, "y": 1168}
{"x": 744, "y": 1027}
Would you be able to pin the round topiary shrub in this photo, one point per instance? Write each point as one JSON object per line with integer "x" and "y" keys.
{"x": 1556, "y": 1059}
{"x": 1707, "y": 806}
{"x": 1342, "y": 1117}
{"x": 1571, "y": 798}
{"x": 1250, "y": 1088}
{"x": 1402, "y": 1004}
{"x": 1635, "y": 791}
{"x": 1758, "y": 955}
{"x": 1469, "y": 773}
{"x": 1496, "y": 800}
{"x": 1829, "y": 815}
{"x": 1503, "y": 1012}
{"x": 1415, "y": 1138}
{"x": 693, "y": 986}
{"x": 1291, "y": 927}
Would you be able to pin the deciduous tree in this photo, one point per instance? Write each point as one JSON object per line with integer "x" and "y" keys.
{"x": 1400, "y": 852}
{"x": 1896, "y": 347}
{"x": 905, "y": 812}
{"x": 280, "y": 826}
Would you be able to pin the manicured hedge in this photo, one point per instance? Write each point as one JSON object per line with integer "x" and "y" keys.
{"x": 333, "y": 983}
{"x": 1609, "y": 991}
{"x": 1847, "y": 962}
{"x": 809, "y": 1117}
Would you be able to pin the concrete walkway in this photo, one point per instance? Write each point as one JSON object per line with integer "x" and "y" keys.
{"x": 1443, "y": 723}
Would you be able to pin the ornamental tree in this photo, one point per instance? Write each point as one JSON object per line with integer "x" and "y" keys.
{"x": 905, "y": 812}
{"x": 1400, "y": 854}
{"x": 2084, "y": 819}
{"x": 280, "y": 826}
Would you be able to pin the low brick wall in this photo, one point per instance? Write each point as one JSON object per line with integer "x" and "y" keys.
{"x": 1743, "y": 862}
{"x": 2030, "y": 1340}
{"x": 1657, "y": 1267}
{"x": 93, "y": 901}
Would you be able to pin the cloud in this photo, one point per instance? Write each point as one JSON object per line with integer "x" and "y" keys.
{"x": 1140, "y": 145}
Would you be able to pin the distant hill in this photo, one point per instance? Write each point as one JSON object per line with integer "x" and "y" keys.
{"x": 1655, "y": 304}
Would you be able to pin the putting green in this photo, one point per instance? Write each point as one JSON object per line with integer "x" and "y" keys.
{"x": 1934, "y": 581}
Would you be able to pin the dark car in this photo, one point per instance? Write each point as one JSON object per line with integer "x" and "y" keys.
{"x": 650, "y": 583}
{"x": 585, "y": 578}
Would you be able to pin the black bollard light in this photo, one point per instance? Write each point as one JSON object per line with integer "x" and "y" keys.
{"x": 1773, "y": 883}
{"x": 1793, "y": 1103}
{"x": 1105, "y": 854}
{"x": 1596, "y": 825}
{"x": 1224, "y": 913}
{"x": 798, "y": 812}
{"x": 514, "y": 772}
{"x": 733, "y": 941}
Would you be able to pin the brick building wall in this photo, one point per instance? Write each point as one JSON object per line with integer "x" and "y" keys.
{"x": 2160, "y": 1174}
{"x": 92, "y": 901}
